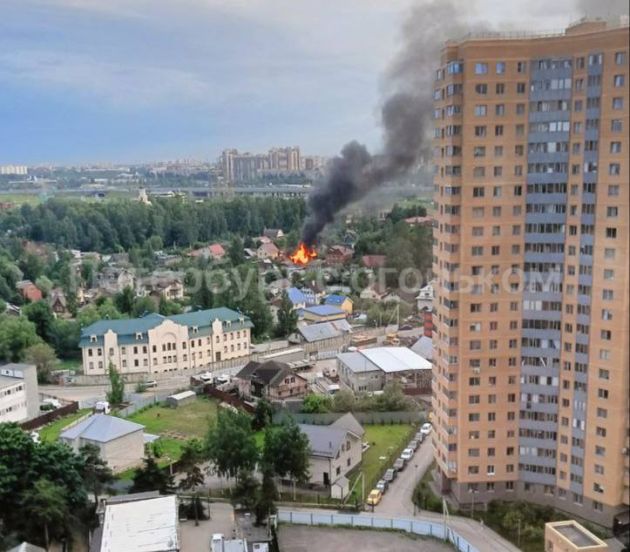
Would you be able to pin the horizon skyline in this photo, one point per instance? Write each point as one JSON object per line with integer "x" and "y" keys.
{"x": 93, "y": 82}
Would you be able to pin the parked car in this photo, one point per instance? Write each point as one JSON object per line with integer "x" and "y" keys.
{"x": 405, "y": 327}
{"x": 399, "y": 464}
{"x": 382, "y": 485}
{"x": 413, "y": 445}
{"x": 426, "y": 428}
{"x": 151, "y": 383}
{"x": 419, "y": 437}
{"x": 374, "y": 497}
{"x": 406, "y": 454}
{"x": 390, "y": 475}
{"x": 102, "y": 407}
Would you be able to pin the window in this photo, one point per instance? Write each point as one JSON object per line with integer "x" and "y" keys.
{"x": 619, "y": 81}
{"x": 521, "y": 67}
{"x": 498, "y": 130}
{"x": 520, "y": 108}
{"x": 480, "y": 131}
{"x": 615, "y": 147}
{"x": 500, "y": 67}
{"x": 481, "y": 68}
{"x": 595, "y": 59}
{"x": 481, "y": 110}
{"x": 481, "y": 88}
{"x": 620, "y": 58}
{"x": 520, "y": 88}
{"x": 617, "y": 103}
{"x": 499, "y": 89}
{"x": 616, "y": 125}
{"x": 614, "y": 169}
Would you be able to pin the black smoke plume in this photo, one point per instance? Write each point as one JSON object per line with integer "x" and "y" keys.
{"x": 405, "y": 119}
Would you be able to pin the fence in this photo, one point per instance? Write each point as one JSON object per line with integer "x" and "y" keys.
{"x": 327, "y": 418}
{"x": 226, "y": 397}
{"x": 417, "y": 527}
{"x": 140, "y": 403}
{"x": 50, "y": 416}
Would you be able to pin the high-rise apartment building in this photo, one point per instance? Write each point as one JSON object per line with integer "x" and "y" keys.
{"x": 247, "y": 167}
{"x": 531, "y": 388}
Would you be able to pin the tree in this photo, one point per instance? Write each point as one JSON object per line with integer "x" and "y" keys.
{"x": 41, "y": 315}
{"x": 46, "y": 505}
{"x": 168, "y": 308}
{"x": 262, "y": 415}
{"x": 124, "y": 300}
{"x": 343, "y": 401}
{"x": 287, "y": 451}
{"x": 245, "y": 492}
{"x": 230, "y": 443}
{"x": 17, "y": 334}
{"x": 116, "y": 393}
{"x": 203, "y": 298}
{"x": 235, "y": 251}
{"x": 150, "y": 477}
{"x": 316, "y": 404}
{"x": 192, "y": 455}
{"x": 142, "y": 306}
{"x": 43, "y": 357}
{"x": 44, "y": 284}
{"x": 287, "y": 317}
{"x": 96, "y": 473}
{"x": 268, "y": 494}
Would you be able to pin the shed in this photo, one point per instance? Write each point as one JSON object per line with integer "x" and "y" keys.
{"x": 179, "y": 399}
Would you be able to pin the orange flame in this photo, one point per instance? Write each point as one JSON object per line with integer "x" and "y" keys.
{"x": 303, "y": 254}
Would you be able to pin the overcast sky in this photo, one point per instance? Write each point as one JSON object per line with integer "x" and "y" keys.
{"x": 143, "y": 80}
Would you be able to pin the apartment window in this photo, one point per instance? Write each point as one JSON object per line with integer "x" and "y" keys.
{"x": 620, "y": 58}
{"x": 617, "y": 103}
{"x": 500, "y": 89}
{"x": 481, "y": 88}
{"x": 478, "y": 191}
{"x": 595, "y": 59}
{"x": 616, "y": 125}
{"x": 521, "y": 66}
{"x": 480, "y": 131}
{"x": 606, "y": 335}
{"x": 500, "y": 67}
{"x": 520, "y": 88}
{"x": 611, "y": 233}
{"x": 615, "y": 147}
{"x": 498, "y": 130}
{"x": 481, "y": 68}
{"x": 499, "y": 110}
{"x": 479, "y": 151}
{"x": 619, "y": 81}
{"x": 498, "y": 171}
{"x": 577, "y": 105}
{"x": 481, "y": 110}
{"x": 613, "y": 190}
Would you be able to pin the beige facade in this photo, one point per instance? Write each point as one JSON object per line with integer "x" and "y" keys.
{"x": 19, "y": 395}
{"x": 570, "y": 536}
{"x": 157, "y": 344}
{"x": 530, "y": 251}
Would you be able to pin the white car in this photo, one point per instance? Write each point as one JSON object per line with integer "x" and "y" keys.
{"x": 35, "y": 437}
{"x": 426, "y": 428}
{"x": 407, "y": 454}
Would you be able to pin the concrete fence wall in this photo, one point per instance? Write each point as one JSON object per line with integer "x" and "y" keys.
{"x": 417, "y": 527}
{"x": 368, "y": 418}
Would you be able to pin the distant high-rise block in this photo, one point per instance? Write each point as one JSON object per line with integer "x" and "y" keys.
{"x": 531, "y": 256}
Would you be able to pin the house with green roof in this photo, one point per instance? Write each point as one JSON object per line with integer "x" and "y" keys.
{"x": 156, "y": 344}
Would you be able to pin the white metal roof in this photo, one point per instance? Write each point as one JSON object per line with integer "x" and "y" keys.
{"x": 182, "y": 395}
{"x": 142, "y": 526}
{"x": 396, "y": 359}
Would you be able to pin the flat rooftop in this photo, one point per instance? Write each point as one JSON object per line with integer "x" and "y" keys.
{"x": 576, "y": 534}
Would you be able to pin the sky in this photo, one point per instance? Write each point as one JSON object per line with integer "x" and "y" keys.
{"x": 86, "y": 81}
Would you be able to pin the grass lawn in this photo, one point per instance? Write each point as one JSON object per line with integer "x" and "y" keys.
{"x": 72, "y": 364}
{"x": 175, "y": 426}
{"x": 50, "y": 432}
{"x": 387, "y": 441}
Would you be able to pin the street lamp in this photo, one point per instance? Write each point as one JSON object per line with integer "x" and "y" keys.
{"x": 416, "y": 484}
{"x": 472, "y": 511}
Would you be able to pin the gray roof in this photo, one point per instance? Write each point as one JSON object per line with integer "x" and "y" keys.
{"x": 325, "y": 330}
{"x": 357, "y": 363}
{"x": 6, "y": 381}
{"x": 101, "y": 428}
{"x": 128, "y": 328}
{"x": 325, "y": 440}
{"x": 349, "y": 423}
{"x": 423, "y": 347}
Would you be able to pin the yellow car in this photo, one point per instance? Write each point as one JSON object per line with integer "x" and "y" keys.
{"x": 374, "y": 497}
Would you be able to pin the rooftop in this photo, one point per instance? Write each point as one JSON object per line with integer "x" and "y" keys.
{"x": 577, "y": 535}
{"x": 386, "y": 359}
{"x": 324, "y": 440}
{"x": 143, "y": 526}
{"x": 325, "y": 330}
{"x": 101, "y": 428}
{"x": 324, "y": 310}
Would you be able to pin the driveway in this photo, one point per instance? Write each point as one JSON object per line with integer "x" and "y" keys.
{"x": 397, "y": 499}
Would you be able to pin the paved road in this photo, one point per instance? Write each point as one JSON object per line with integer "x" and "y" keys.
{"x": 397, "y": 499}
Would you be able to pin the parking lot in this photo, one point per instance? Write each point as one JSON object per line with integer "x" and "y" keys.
{"x": 296, "y": 538}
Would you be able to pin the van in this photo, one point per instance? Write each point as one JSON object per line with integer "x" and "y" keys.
{"x": 102, "y": 407}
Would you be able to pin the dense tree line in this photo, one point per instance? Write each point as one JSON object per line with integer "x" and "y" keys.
{"x": 117, "y": 225}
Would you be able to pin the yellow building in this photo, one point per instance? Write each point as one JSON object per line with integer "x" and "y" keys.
{"x": 570, "y": 536}
{"x": 530, "y": 252}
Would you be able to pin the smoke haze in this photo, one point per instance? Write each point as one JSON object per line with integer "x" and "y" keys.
{"x": 406, "y": 113}
{"x": 405, "y": 119}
